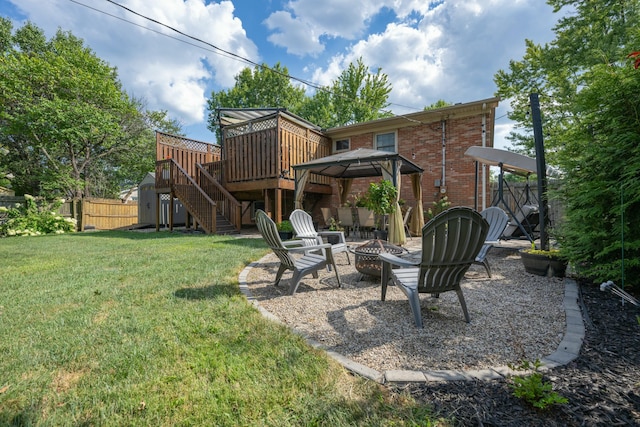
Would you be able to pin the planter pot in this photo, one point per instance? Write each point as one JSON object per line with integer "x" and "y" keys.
{"x": 543, "y": 265}
{"x": 334, "y": 240}
{"x": 380, "y": 234}
{"x": 286, "y": 235}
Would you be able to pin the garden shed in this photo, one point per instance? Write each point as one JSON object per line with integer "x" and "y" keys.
{"x": 147, "y": 204}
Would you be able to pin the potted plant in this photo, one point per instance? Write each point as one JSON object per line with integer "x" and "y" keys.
{"x": 548, "y": 263}
{"x": 285, "y": 229}
{"x": 334, "y": 225}
{"x": 381, "y": 199}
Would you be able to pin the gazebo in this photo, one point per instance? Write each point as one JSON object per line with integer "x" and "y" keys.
{"x": 361, "y": 163}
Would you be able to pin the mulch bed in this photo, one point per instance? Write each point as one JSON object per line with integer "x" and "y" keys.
{"x": 602, "y": 385}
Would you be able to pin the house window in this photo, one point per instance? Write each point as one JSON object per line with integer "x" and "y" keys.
{"x": 342, "y": 145}
{"x": 385, "y": 142}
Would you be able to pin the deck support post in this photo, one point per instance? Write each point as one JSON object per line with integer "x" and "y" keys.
{"x": 158, "y": 195}
{"x": 278, "y": 205}
{"x": 171, "y": 197}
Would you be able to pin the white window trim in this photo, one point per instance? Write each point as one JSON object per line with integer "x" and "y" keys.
{"x": 395, "y": 140}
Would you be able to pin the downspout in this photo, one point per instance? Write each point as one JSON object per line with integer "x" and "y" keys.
{"x": 443, "y": 184}
{"x": 484, "y": 167}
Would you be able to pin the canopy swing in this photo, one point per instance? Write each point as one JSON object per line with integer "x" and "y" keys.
{"x": 523, "y": 213}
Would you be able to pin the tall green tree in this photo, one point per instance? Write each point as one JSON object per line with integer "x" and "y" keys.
{"x": 602, "y": 189}
{"x": 589, "y": 101}
{"x": 67, "y": 125}
{"x": 357, "y": 95}
{"x": 440, "y": 103}
{"x": 260, "y": 87}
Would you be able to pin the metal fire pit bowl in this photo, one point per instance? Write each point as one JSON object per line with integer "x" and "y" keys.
{"x": 367, "y": 260}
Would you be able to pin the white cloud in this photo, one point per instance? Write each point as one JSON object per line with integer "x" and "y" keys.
{"x": 294, "y": 34}
{"x": 303, "y": 26}
{"x": 430, "y": 49}
{"x": 336, "y": 17}
{"x": 169, "y": 74}
{"x": 449, "y": 52}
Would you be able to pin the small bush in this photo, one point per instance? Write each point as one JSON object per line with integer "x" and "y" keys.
{"x": 285, "y": 226}
{"x": 34, "y": 218}
{"x": 440, "y": 205}
{"x": 534, "y": 389}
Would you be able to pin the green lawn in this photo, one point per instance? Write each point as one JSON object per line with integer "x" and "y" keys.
{"x": 128, "y": 328}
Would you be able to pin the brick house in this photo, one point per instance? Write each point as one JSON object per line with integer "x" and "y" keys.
{"x": 435, "y": 140}
{"x": 252, "y": 168}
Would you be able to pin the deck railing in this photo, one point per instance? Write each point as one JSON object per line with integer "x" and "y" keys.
{"x": 216, "y": 170}
{"x": 271, "y": 152}
{"x": 186, "y": 152}
{"x": 170, "y": 175}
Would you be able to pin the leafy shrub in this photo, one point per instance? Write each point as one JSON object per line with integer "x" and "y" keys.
{"x": 440, "y": 205}
{"x": 534, "y": 389}
{"x": 335, "y": 225}
{"x": 285, "y": 226}
{"x": 381, "y": 197}
{"x": 34, "y": 218}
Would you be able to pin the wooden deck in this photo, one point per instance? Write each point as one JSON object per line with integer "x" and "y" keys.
{"x": 255, "y": 164}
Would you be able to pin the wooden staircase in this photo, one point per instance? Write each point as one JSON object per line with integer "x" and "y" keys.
{"x": 212, "y": 207}
{"x": 223, "y": 226}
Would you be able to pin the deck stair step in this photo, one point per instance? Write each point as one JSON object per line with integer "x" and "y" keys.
{"x": 223, "y": 226}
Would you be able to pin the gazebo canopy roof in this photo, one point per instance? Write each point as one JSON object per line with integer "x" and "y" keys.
{"x": 361, "y": 162}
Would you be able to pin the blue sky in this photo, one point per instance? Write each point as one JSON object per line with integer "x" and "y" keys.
{"x": 430, "y": 50}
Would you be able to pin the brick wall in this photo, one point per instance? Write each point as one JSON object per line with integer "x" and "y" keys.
{"x": 423, "y": 145}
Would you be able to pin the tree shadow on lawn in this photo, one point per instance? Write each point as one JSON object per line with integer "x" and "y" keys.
{"x": 240, "y": 239}
{"x": 209, "y": 292}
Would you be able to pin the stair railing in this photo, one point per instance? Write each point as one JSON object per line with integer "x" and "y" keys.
{"x": 195, "y": 199}
{"x": 226, "y": 204}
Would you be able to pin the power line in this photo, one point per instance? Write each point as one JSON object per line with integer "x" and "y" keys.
{"x": 234, "y": 55}
{"x": 154, "y": 31}
{"x": 219, "y": 50}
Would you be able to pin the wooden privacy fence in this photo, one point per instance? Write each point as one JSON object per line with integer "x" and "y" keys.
{"x": 107, "y": 214}
{"x": 99, "y": 214}
{"x": 186, "y": 152}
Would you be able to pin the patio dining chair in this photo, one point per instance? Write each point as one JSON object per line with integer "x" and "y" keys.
{"x": 450, "y": 244}
{"x": 301, "y": 266}
{"x": 345, "y": 216}
{"x": 497, "y": 219}
{"x": 303, "y": 226}
{"x": 366, "y": 221}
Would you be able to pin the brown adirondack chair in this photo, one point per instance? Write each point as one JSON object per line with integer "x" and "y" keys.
{"x": 450, "y": 244}
{"x": 312, "y": 259}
